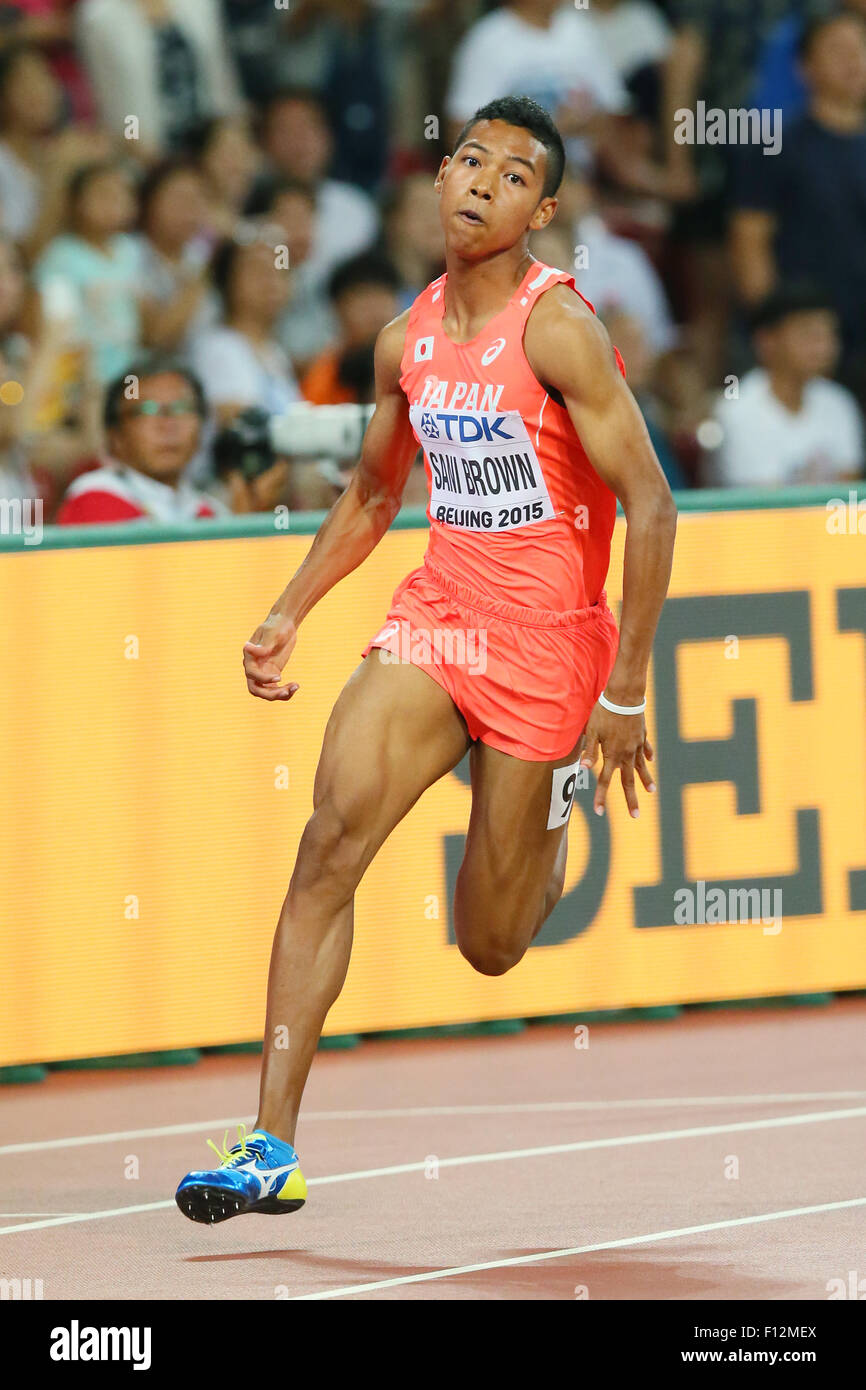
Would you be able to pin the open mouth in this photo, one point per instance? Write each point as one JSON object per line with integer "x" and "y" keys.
{"x": 467, "y": 215}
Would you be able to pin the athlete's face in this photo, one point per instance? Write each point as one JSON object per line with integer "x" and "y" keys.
{"x": 490, "y": 190}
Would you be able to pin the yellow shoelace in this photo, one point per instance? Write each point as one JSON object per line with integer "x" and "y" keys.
{"x": 225, "y": 1154}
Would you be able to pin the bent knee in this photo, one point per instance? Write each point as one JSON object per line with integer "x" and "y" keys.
{"x": 490, "y": 957}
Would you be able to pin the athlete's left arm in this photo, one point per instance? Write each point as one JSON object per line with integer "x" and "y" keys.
{"x": 569, "y": 349}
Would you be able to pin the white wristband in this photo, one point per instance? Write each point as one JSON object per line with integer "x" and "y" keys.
{"x": 621, "y": 709}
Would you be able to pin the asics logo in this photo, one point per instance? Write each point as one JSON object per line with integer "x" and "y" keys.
{"x": 492, "y": 352}
{"x": 389, "y": 630}
{"x": 266, "y": 1180}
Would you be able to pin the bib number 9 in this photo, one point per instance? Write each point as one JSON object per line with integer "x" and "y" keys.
{"x": 562, "y": 795}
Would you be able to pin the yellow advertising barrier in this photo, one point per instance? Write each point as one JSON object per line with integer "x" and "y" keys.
{"x": 151, "y": 808}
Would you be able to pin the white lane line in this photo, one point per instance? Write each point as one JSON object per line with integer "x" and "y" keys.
{"x": 621, "y": 1141}
{"x": 421, "y": 1111}
{"x": 580, "y": 1146}
{"x": 122, "y": 1135}
{"x": 553, "y": 1106}
{"x": 85, "y": 1216}
{"x": 625, "y": 1243}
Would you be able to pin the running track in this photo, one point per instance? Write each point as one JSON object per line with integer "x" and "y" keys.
{"x": 718, "y": 1155}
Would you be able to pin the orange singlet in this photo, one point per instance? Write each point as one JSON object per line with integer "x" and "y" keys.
{"x": 508, "y": 611}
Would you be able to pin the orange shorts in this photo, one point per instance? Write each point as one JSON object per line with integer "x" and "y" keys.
{"x": 525, "y": 680}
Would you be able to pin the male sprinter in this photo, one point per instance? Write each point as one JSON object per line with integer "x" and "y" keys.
{"x": 505, "y": 377}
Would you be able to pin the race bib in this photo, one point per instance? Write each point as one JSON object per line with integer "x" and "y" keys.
{"x": 564, "y": 784}
{"x": 485, "y": 474}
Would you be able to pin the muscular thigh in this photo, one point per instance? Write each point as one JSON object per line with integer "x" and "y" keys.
{"x": 392, "y": 733}
{"x": 510, "y": 852}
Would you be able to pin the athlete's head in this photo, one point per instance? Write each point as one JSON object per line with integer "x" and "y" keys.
{"x": 501, "y": 180}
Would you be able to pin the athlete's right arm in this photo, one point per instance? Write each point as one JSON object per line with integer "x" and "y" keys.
{"x": 353, "y": 527}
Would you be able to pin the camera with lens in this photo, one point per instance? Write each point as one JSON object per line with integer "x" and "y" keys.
{"x": 245, "y": 445}
{"x": 255, "y": 439}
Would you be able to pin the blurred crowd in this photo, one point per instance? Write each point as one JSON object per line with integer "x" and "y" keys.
{"x": 208, "y": 206}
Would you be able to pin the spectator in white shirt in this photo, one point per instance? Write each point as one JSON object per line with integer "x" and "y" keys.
{"x": 637, "y": 39}
{"x": 557, "y": 54}
{"x": 164, "y": 61}
{"x": 299, "y": 145}
{"x": 177, "y": 301}
{"x": 635, "y": 35}
{"x": 613, "y": 272}
{"x": 544, "y": 50}
{"x": 240, "y": 361}
{"x": 789, "y": 424}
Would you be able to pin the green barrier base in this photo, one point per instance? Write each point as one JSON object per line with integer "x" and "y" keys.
{"x": 492, "y": 1027}
{"x": 655, "y": 1012}
{"x": 20, "y": 1076}
{"x": 772, "y": 1001}
{"x": 340, "y": 1042}
{"x": 178, "y": 1057}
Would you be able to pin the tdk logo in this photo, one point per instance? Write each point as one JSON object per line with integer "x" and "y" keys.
{"x": 463, "y": 429}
